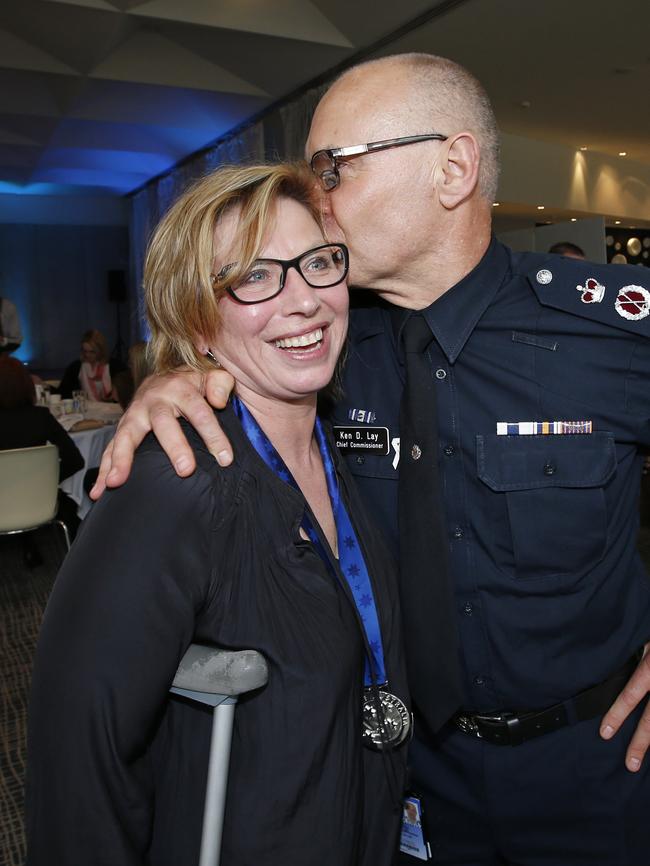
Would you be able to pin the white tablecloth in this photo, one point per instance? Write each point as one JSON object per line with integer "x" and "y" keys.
{"x": 104, "y": 411}
{"x": 91, "y": 443}
{"x": 109, "y": 413}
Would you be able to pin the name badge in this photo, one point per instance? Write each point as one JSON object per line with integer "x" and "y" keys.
{"x": 372, "y": 440}
{"x": 412, "y": 840}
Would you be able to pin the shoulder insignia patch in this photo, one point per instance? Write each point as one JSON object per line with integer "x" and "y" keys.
{"x": 632, "y": 302}
{"x": 592, "y": 292}
{"x": 608, "y": 294}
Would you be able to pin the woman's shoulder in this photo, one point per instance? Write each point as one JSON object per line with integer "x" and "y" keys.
{"x": 152, "y": 469}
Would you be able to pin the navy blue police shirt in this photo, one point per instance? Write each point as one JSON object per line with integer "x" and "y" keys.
{"x": 550, "y": 593}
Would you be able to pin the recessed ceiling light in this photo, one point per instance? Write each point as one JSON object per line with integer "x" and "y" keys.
{"x": 496, "y": 203}
{"x": 617, "y": 222}
{"x": 583, "y": 148}
{"x": 622, "y": 153}
{"x": 540, "y": 207}
{"x": 574, "y": 219}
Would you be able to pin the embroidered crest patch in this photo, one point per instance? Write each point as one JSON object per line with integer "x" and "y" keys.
{"x": 592, "y": 291}
{"x": 633, "y": 302}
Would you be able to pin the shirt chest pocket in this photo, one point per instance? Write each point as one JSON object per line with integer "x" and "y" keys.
{"x": 554, "y": 494}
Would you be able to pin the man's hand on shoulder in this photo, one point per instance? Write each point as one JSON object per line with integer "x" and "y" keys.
{"x": 157, "y": 405}
{"x": 635, "y": 691}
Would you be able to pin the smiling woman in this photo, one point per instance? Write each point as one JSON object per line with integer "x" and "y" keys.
{"x": 273, "y": 553}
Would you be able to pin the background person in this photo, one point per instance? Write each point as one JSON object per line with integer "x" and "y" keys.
{"x": 24, "y": 425}
{"x": 566, "y": 248}
{"x": 139, "y": 362}
{"x": 246, "y": 558}
{"x": 124, "y": 384}
{"x": 550, "y": 596}
{"x": 93, "y": 372}
{"x": 10, "y": 333}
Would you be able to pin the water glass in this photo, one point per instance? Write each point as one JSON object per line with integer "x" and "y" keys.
{"x": 79, "y": 401}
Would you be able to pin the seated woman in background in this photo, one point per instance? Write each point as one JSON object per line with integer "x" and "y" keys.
{"x": 274, "y": 553}
{"x": 139, "y": 363}
{"x": 93, "y": 372}
{"x": 24, "y": 425}
{"x": 126, "y": 382}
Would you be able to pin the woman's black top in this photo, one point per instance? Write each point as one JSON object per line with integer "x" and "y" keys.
{"x": 117, "y": 768}
{"x": 29, "y": 426}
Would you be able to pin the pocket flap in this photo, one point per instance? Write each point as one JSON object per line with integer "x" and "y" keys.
{"x": 529, "y": 462}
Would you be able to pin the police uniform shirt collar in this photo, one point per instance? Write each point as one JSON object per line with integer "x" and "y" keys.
{"x": 454, "y": 315}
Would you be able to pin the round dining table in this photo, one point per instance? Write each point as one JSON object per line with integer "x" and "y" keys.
{"x": 91, "y": 444}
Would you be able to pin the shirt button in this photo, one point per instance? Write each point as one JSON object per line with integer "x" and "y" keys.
{"x": 458, "y": 532}
{"x": 468, "y": 610}
{"x": 449, "y": 450}
{"x": 549, "y": 469}
{"x": 479, "y": 681}
{"x": 441, "y": 374}
{"x": 361, "y": 460}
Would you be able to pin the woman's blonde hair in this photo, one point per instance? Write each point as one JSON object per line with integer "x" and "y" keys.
{"x": 181, "y": 291}
{"x": 98, "y": 341}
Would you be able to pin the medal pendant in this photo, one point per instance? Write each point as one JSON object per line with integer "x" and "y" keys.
{"x": 386, "y": 721}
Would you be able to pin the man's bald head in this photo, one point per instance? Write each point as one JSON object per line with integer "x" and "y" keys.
{"x": 436, "y": 95}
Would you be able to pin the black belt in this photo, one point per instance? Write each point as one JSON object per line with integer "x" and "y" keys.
{"x": 513, "y": 728}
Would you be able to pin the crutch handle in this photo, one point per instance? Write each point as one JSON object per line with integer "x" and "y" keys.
{"x": 216, "y": 677}
{"x": 221, "y": 672}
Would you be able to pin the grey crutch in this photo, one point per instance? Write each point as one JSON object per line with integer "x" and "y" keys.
{"x": 217, "y": 677}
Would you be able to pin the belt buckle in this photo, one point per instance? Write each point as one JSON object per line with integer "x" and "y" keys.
{"x": 494, "y": 717}
{"x": 510, "y": 722}
{"x": 468, "y": 726}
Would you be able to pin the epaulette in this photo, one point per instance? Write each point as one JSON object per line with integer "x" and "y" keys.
{"x": 616, "y": 295}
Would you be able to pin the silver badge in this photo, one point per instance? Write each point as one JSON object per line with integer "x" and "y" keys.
{"x": 632, "y": 302}
{"x": 386, "y": 721}
{"x": 592, "y": 292}
{"x": 416, "y": 452}
{"x": 544, "y": 276}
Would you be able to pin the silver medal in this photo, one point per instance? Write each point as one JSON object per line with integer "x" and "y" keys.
{"x": 386, "y": 720}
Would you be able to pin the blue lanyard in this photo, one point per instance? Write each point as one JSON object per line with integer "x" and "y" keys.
{"x": 351, "y": 561}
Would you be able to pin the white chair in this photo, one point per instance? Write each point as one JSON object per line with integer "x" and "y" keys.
{"x": 29, "y": 484}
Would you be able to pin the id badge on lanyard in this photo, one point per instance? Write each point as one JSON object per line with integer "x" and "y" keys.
{"x": 412, "y": 839}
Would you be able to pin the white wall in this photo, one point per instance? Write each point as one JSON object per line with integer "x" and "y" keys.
{"x": 538, "y": 172}
{"x": 588, "y": 234}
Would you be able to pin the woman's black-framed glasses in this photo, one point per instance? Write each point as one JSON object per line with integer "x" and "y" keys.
{"x": 321, "y": 267}
{"x": 325, "y": 163}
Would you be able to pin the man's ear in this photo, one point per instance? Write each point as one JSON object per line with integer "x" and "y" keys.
{"x": 458, "y": 169}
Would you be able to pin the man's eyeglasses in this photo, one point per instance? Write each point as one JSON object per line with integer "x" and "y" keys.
{"x": 320, "y": 267}
{"x": 325, "y": 163}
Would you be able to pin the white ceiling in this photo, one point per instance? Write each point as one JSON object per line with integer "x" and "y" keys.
{"x": 102, "y": 95}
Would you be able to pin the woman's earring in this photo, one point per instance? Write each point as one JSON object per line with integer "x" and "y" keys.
{"x": 209, "y": 355}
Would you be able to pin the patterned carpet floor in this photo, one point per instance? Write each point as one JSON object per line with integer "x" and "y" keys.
{"x": 23, "y": 596}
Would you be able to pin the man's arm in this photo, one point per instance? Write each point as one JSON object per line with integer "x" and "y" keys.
{"x": 637, "y": 688}
{"x": 158, "y": 403}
